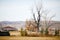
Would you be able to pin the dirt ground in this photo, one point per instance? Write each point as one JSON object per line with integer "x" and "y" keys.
{"x": 28, "y": 38}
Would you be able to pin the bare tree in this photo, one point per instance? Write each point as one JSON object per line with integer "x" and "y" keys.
{"x": 48, "y": 22}
{"x": 29, "y": 25}
{"x": 37, "y": 18}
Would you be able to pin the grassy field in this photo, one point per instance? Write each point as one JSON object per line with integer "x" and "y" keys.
{"x": 28, "y": 38}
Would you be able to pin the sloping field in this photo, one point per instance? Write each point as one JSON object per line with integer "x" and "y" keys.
{"x": 28, "y": 38}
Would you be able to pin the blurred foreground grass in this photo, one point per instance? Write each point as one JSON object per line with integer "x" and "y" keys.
{"x": 27, "y": 38}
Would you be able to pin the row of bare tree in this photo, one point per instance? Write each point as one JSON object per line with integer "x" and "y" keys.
{"x": 33, "y": 25}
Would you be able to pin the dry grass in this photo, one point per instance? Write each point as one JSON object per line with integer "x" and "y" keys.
{"x": 28, "y": 38}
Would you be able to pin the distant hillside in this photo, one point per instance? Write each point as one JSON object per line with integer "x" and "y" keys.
{"x": 54, "y": 24}
{"x": 19, "y": 24}
{"x": 12, "y": 22}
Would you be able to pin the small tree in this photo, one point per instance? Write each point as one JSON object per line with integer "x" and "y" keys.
{"x": 25, "y": 32}
{"x": 22, "y": 34}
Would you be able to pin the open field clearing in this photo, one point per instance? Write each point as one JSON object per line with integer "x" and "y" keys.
{"x": 28, "y": 38}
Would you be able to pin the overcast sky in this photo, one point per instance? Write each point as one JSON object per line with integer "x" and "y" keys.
{"x": 20, "y": 10}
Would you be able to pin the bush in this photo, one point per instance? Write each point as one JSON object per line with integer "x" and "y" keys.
{"x": 4, "y": 34}
{"x": 23, "y": 32}
{"x": 56, "y": 32}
